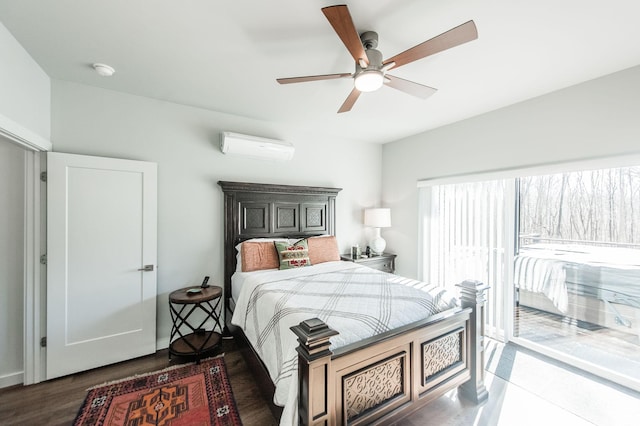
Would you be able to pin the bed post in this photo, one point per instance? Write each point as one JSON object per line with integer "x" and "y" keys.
{"x": 472, "y": 296}
{"x": 315, "y": 392}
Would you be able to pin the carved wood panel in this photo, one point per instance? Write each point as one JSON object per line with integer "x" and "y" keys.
{"x": 374, "y": 386}
{"x": 254, "y": 218}
{"x": 441, "y": 355}
{"x": 314, "y": 217}
{"x": 286, "y": 215}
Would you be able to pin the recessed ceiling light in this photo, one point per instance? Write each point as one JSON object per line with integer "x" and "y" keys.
{"x": 104, "y": 70}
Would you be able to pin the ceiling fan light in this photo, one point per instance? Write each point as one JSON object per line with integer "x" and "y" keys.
{"x": 369, "y": 80}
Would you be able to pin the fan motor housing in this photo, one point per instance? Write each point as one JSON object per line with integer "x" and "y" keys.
{"x": 375, "y": 59}
{"x": 369, "y": 39}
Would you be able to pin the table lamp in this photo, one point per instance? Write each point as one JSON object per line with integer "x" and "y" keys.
{"x": 377, "y": 218}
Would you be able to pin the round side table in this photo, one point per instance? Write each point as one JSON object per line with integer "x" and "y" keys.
{"x": 188, "y": 337}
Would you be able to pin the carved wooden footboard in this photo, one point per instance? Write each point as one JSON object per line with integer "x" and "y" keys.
{"x": 382, "y": 379}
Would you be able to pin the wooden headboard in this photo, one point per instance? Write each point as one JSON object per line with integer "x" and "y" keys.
{"x": 256, "y": 210}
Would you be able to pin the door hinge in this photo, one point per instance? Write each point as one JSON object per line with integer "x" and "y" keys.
{"x": 43, "y": 176}
{"x": 43, "y": 342}
{"x": 43, "y": 259}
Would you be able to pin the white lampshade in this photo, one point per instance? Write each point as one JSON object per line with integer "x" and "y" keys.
{"x": 377, "y": 218}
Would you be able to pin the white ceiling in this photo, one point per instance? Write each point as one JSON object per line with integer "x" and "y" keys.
{"x": 226, "y": 56}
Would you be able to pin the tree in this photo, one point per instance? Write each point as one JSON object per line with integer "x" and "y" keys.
{"x": 596, "y": 206}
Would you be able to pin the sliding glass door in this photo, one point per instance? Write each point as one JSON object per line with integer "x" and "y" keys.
{"x": 577, "y": 268}
{"x": 561, "y": 253}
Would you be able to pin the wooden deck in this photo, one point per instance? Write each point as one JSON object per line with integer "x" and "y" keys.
{"x": 611, "y": 348}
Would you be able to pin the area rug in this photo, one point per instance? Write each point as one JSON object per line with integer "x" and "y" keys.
{"x": 187, "y": 394}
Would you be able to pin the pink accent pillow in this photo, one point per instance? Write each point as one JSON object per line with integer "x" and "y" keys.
{"x": 257, "y": 256}
{"x": 323, "y": 249}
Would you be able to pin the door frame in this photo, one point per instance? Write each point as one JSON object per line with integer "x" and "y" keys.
{"x": 35, "y": 290}
{"x": 34, "y": 276}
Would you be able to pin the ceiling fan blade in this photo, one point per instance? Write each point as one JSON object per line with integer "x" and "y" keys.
{"x": 340, "y": 19}
{"x": 410, "y": 87}
{"x": 452, "y": 38}
{"x": 351, "y": 99}
{"x": 312, "y": 78}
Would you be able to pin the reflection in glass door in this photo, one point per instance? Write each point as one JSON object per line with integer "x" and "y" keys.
{"x": 577, "y": 268}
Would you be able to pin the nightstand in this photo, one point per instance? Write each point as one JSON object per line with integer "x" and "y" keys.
{"x": 385, "y": 262}
{"x": 188, "y": 339}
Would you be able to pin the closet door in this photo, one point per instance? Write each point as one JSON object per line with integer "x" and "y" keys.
{"x": 101, "y": 261}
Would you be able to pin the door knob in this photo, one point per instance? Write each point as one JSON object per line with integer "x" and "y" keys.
{"x": 147, "y": 268}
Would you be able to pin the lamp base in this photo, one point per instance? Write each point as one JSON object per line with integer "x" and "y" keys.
{"x": 378, "y": 244}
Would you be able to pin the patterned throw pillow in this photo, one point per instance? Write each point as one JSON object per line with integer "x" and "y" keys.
{"x": 294, "y": 255}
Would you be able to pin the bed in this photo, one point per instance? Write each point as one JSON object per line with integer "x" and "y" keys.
{"x": 597, "y": 285}
{"x": 337, "y": 376}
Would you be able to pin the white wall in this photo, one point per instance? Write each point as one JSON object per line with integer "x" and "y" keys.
{"x": 12, "y": 166}
{"x": 184, "y": 143}
{"x": 594, "y": 119}
{"x": 25, "y": 89}
{"x": 25, "y": 114}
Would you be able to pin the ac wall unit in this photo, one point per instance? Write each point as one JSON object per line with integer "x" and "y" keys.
{"x": 256, "y": 147}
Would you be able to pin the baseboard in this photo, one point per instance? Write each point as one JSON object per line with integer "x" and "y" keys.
{"x": 11, "y": 379}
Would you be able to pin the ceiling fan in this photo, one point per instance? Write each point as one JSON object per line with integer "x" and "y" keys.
{"x": 371, "y": 70}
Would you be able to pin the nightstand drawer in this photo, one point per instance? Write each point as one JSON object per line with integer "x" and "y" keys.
{"x": 382, "y": 263}
{"x": 386, "y": 262}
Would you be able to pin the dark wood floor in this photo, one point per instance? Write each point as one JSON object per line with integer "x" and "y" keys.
{"x": 57, "y": 402}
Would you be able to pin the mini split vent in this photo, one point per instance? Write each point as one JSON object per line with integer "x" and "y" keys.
{"x": 255, "y": 147}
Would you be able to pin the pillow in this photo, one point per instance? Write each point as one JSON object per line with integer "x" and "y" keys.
{"x": 294, "y": 255}
{"x": 258, "y": 255}
{"x": 252, "y": 240}
{"x": 323, "y": 249}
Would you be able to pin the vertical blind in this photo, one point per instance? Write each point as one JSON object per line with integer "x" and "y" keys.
{"x": 467, "y": 232}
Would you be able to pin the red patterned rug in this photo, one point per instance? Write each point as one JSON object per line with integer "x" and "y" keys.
{"x": 188, "y": 394}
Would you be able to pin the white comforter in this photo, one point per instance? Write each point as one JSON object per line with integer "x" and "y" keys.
{"x": 356, "y": 301}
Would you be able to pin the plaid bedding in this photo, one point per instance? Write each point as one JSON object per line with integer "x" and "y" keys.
{"x": 356, "y": 301}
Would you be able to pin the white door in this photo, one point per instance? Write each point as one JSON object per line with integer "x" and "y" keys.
{"x": 101, "y": 231}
